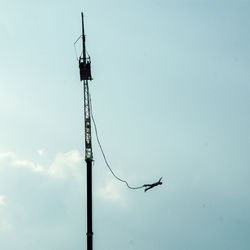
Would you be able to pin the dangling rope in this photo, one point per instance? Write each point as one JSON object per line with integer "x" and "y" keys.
{"x": 77, "y": 58}
{"x": 75, "y": 46}
{"x": 147, "y": 186}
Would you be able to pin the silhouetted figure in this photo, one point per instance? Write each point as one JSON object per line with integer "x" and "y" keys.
{"x": 149, "y": 186}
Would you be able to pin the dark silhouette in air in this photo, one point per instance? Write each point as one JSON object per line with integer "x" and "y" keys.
{"x": 149, "y": 186}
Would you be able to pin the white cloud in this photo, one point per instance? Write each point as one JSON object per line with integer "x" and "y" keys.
{"x": 66, "y": 164}
{"x": 7, "y": 155}
{"x": 4, "y": 225}
{"x": 63, "y": 166}
{"x": 29, "y": 164}
{"x": 2, "y": 200}
{"x": 14, "y": 161}
{"x": 40, "y": 151}
{"x": 111, "y": 192}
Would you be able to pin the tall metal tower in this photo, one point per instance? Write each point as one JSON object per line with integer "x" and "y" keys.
{"x": 85, "y": 76}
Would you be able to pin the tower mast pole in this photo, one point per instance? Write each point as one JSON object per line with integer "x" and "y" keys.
{"x": 83, "y": 40}
{"x": 85, "y": 75}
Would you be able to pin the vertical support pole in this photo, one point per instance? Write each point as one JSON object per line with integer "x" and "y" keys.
{"x": 89, "y": 205}
{"x": 88, "y": 144}
{"x": 89, "y": 160}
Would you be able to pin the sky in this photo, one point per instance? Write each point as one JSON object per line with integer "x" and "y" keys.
{"x": 171, "y": 99}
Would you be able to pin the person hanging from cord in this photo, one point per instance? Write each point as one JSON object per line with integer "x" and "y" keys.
{"x": 149, "y": 186}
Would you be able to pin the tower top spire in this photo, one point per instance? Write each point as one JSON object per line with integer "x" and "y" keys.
{"x": 84, "y": 61}
{"x": 83, "y": 39}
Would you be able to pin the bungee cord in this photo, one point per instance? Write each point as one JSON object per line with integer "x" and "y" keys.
{"x": 146, "y": 186}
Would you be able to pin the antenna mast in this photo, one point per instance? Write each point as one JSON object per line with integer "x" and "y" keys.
{"x": 85, "y": 75}
{"x": 83, "y": 40}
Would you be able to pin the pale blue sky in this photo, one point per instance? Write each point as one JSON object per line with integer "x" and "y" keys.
{"x": 170, "y": 97}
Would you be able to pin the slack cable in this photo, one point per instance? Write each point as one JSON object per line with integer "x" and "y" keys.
{"x": 146, "y": 186}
